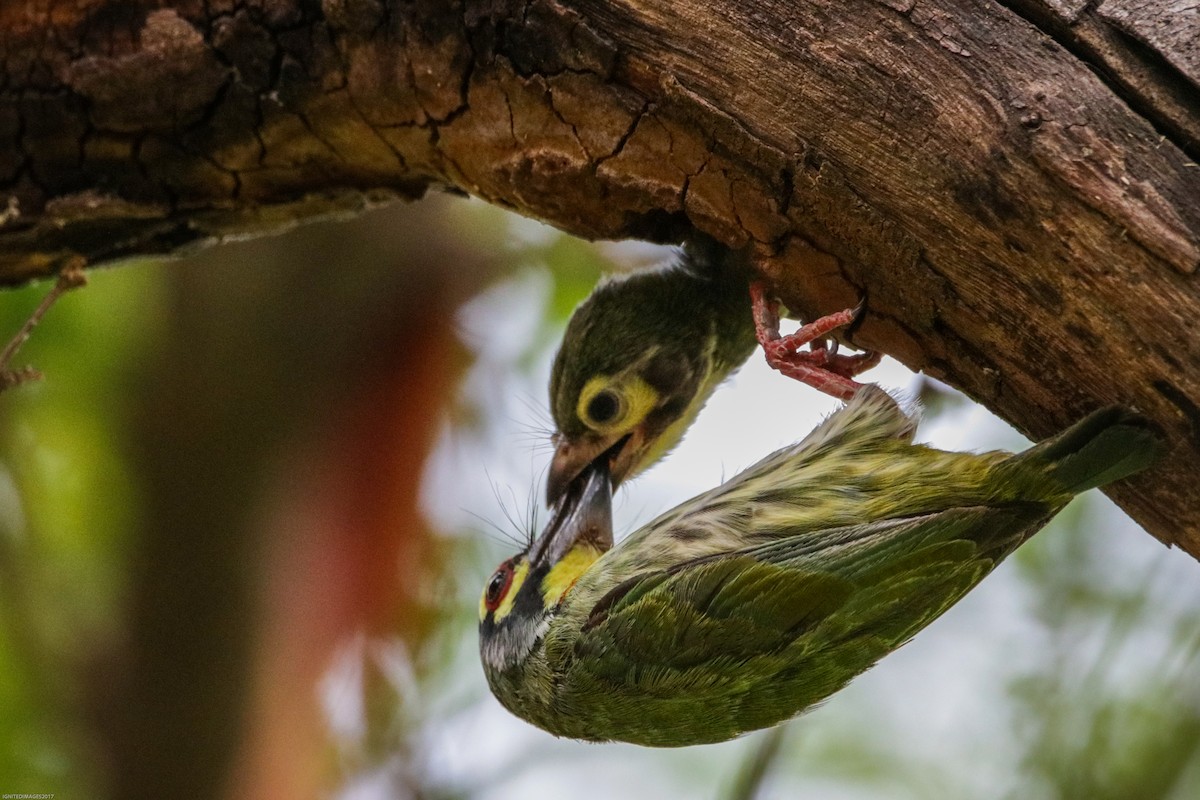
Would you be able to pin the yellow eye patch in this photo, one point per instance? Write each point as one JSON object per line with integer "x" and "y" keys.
{"x": 634, "y": 399}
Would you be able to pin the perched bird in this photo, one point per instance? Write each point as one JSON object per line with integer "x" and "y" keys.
{"x": 749, "y": 603}
{"x": 643, "y": 353}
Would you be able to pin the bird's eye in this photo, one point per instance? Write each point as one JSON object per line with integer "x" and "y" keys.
{"x": 497, "y": 587}
{"x": 603, "y": 408}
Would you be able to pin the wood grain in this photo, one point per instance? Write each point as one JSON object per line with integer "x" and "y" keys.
{"x": 1013, "y": 184}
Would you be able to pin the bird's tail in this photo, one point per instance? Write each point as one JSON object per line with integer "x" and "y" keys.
{"x": 1107, "y": 445}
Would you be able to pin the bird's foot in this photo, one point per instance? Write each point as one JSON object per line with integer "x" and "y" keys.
{"x": 821, "y": 366}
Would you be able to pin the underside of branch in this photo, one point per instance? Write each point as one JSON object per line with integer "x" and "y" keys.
{"x": 1013, "y": 184}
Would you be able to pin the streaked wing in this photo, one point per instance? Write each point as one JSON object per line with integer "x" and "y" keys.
{"x": 885, "y": 579}
{"x": 725, "y": 644}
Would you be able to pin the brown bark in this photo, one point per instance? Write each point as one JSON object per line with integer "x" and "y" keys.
{"x": 1013, "y": 183}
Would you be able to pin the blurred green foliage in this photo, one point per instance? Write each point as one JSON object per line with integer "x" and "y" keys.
{"x": 67, "y": 501}
{"x": 1112, "y": 708}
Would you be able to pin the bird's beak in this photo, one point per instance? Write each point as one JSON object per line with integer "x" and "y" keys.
{"x": 620, "y": 452}
{"x": 584, "y": 516}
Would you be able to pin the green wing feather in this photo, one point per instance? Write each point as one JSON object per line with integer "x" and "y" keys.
{"x": 774, "y": 590}
{"x": 717, "y": 646}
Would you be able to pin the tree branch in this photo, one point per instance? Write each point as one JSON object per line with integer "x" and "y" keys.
{"x": 1014, "y": 183}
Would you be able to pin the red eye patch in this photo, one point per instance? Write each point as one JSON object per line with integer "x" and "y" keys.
{"x": 497, "y": 587}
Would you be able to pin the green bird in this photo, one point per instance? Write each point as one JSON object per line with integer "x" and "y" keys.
{"x": 643, "y": 353}
{"x": 751, "y": 602}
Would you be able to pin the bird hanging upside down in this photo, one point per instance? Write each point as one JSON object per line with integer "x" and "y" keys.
{"x": 641, "y": 356}
{"x": 746, "y": 605}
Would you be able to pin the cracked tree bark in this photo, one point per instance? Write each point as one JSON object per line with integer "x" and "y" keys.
{"x": 1013, "y": 182}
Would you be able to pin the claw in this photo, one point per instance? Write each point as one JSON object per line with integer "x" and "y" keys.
{"x": 821, "y": 367}
{"x": 859, "y": 313}
{"x": 849, "y": 366}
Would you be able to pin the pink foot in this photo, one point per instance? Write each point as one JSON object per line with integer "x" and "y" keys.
{"x": 821, "y": 366}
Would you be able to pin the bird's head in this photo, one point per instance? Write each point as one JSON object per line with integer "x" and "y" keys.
{"x": 525, "y": 592}
{"x": 634, "y": 368}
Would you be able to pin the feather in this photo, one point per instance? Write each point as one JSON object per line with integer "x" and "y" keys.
{"x": 757, "y": 599}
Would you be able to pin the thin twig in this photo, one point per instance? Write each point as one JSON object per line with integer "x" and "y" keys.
{"x": 758, "y": 764}
{"x": 70, "y": 277}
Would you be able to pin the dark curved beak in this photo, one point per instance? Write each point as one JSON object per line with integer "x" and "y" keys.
{"x": 571, "y": 459}
{"x": 583, "y": 516}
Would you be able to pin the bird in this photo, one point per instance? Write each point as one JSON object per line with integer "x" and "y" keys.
{"x": 643, "y": 353}
{"x": 757, "y": 599}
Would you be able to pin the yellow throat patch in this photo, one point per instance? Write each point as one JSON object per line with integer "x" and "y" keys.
{"x": 562, "y": 576}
